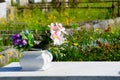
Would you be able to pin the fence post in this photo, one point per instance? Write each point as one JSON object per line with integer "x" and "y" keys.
{"x": 118, "y": 9}
{"x": 113, "y": 8}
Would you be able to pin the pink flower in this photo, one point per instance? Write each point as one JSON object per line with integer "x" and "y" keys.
{"x": 60, "y": 27}
{"x": 52, "y": 27}
{"x": 57, "y": 32}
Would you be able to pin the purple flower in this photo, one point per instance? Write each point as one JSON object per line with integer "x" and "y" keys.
{"x": 16, "y": 42}
{"x": 16, "y": 36}
{"x": 24, "y": 42}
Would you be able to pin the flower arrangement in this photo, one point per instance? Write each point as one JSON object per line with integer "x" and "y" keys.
{"x": 24, "y": 40}
{"x": 57, "y": 33}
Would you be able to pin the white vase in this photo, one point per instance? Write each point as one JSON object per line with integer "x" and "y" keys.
{"x": 36, "y": 60}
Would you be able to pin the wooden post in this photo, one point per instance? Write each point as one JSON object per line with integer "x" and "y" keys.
{"x": 2, "y": 0}
{"x": 113, "y": 7}
{"x": 118, "y": 9}
{"x": 12, "y": 13}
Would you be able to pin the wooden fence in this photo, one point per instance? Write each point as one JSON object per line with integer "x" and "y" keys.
{"x": 74, "y": 5}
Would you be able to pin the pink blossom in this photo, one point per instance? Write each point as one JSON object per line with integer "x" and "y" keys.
{"x": 57, "y": 32}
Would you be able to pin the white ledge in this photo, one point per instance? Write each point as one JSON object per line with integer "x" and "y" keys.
{"x": 65, "y": 69}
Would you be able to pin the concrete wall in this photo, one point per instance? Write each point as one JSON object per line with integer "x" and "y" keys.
{"x": 36, "y": 1}
{"x": 3, "y": 10}
{"x": 8, "y": 2}
{"x": 39, "y": 1}
{"x": 23, "y": 2}
{"x": 94, "y": 70}
{"x": 48, "y": 0}
{"x": 19, "y": 2}
{"x": 63, "y": 78}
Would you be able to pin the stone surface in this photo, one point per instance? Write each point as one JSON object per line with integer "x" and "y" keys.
{"x": 65, "y": 70}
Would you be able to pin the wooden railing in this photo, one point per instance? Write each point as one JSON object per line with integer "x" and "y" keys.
{"x": 74, "y": 5}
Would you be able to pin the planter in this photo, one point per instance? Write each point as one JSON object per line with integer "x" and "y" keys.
{"x": 36, "y": 60}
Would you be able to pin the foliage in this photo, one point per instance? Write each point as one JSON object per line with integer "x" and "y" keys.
{"x": 24, "y": 40}
{"x": 89, "y": 46}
